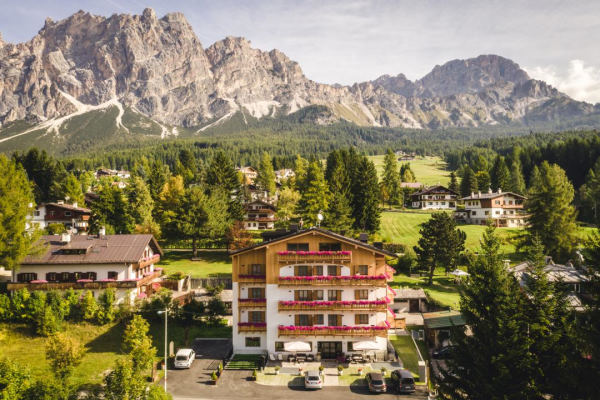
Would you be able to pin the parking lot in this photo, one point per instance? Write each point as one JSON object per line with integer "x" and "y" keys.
{"x": 194, "y": 383}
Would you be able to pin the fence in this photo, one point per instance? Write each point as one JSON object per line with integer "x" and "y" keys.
{"x": 197, "y": 283}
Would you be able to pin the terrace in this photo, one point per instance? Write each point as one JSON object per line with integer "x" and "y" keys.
{"x": 252, "y": 327}
{"x": 245, "y": 278}
{"x": 293, "y": 330}
{"x": 252, "y": 303}
{"x": 85, "y": 284}
{"x": 354, "y": 280}
{"x": 356, "y": 305}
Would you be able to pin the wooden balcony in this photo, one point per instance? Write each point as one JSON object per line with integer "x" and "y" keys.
{"x": 333, "y": 331}
{"x": 252, "y": 327}
{"x": 337, "y": 257}
{"x": 88, "y": 285}
{"x": 252, "y": 303}
{"x": 252, "y": 278}
{"x": 356, "y": 305}
{"x": 149, "y": 261}
{"x": 356, "y": 280}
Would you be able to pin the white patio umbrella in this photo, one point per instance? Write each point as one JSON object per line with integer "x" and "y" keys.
{"x": 296, "y": 346}
{"x": 459, "y": 272}
{"x": 365, "y": 345}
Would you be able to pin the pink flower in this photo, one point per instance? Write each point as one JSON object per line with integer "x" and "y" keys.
{"x": 84, "y": 280}
{"x": 39, "y": 281}
{"x": 107, "y": 280}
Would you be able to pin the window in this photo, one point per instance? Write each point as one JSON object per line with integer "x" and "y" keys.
{"x": 334, "y": 295}
{"x": 362, "y": 294}
{"x": 303, "y": 320}
{"x": 334, "y": 320}
{"x": 52, "y": 277}
{"x": 497, "y": 202}
{"x": 318, "y": 319}
{"x": 297, "y": 246}
{"x": 361, "y": 319}
{"x": 330, "y": 246}
{"x": 318, "y": 295}
{"x": 36, "y": 213}
{"x": 350, "y": 346}
{"x": 65, "y": 276}
{"x": 303, "y": 270}
{"x": 318, "y": 270}
{"x": 497, "y": 212}
{"x": 77, "y": 275}
{"x": 256, "y": 293}
{"x": 332, "y": 270}
{"x": 252, "y": 342}
{"x": 279, "y": 346}
{"x": 26, "y": 277}
{"x": 89, "y": 275}
{"x": 257, "y": 269}
{"x": 487, "y": 213}
{"x": 303, "y": 295}
{"x": 52, "y": 213}
{"x": 67, "y": 213}
{"x": 113, "y": 275}
{"x": 256, "y": 316}
{"x": 363, "y": 270}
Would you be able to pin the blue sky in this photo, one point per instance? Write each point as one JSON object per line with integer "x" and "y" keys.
{"x": 358, "y": 40}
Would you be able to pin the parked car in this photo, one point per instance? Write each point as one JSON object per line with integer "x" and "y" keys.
{"x": 403, "y": 381}
{"x": 376, "y": 382}
{"x": 184, "y": 358}
{"x": 312, "y": 380}
{"x": 443, "y": 353}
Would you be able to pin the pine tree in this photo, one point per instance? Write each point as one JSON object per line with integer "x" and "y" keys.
{"x": 221, "y": 174}
{"x": 440, "y": 244}
{"x": 71, "y": 190}
{"x": 483, "y": 180}
{"x": 338, "y": 217}
{"x": 552, "y": 217}
{"x": 157, "y": 178}
{"x": 140, "y": 200}
{"x": 454, "y": 183}
{"x": 407, "y": 174}
{"x": 266, "y": 174}
{"x": 365, "y": 198}
{"x": 493, "y": 362}
{"x": 517, "y": 180}
{"x": 590, "y": 192}
{"x": 15, "y": 204}
{"x": 500, "y": 175}
{"x": 468, "y": 184}
{"x": 301, "y": 171}
{"x": 390, "y": 182}
{"x": 315, "y": 199}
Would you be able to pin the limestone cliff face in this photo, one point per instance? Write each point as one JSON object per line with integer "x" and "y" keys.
{"x": 159, "y": 68}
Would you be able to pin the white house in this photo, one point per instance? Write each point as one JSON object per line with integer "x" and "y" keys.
{"x": 326, "y": 291}
{"x": 434, "y": 198}
{"x": 284, "y": 174}
{"x": 72, "y": 216}
{"x": 259, "y": 215}
{"x": 92, "y": 262}
{"x": 504, "y": 208}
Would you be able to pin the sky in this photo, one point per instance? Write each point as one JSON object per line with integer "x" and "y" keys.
{"x": 349, "y": 41}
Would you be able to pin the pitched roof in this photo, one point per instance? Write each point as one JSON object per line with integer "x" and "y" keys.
{"x": 70, "y": 207}
{"x": 410, "y": 294}
{"x": 443, "y": 319}
{"x": 258, "y": 201}
{"x": 319, "y": 230}
{"x": 107, "y": 249}
{"x": 492, "y": 195}
{"x": 435, "y": 189}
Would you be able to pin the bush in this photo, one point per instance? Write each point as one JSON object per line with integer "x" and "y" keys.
{"x": 106, "y": 310}
{"x": 406, "y": 262}
{"x": 214, "y": 376}
{"x": 47, "y": 322}
{"x": 340, "y": 368}
{"x": 394, "y": 247}
{"x": 5, "y": 308}
{"x": 56, "y": 229}
{"x": 88, "y": 307}
{"x": 175, "y": 276}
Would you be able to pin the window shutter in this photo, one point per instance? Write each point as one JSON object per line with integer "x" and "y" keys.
{"x": 262, "y": 293}
{"x": 297, "y": 319}
{"x": 356, "y": 319}
{"x": 357, "y": 295}
{"x": 296, "y": 295}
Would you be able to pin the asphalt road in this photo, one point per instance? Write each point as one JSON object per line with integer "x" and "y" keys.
{"x": 194, "y": 383}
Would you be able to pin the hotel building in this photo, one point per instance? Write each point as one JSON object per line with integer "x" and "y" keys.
{"x": 311, "y": 286}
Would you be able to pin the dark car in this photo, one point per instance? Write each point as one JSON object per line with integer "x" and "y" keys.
{"x": 443, "y": 353}
{"x": 403, "y": 381}
{"x": 376, "y": 382}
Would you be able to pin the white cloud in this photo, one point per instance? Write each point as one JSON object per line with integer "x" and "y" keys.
{"x": 580, "y": 81}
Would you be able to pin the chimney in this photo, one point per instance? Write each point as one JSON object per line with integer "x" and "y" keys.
{"x": 60, "y": 202}
{"x": 472, "y": 194}
{"x": 65, "y": 238}
{"x": 364, "y": 237}
{"x": 499, "y": 190}
{"x": 75, "y": 204}
{"x": 490, "y": 190}
{"x": 102, "y": 232}
{"x": 479, "y": 194}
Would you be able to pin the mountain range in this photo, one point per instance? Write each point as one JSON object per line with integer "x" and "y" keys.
{"x": 83, "y": 76}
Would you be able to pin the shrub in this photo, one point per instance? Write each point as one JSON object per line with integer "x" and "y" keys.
{"x": 88, "y": 307}
{"x": 406, "y": 262}
{"x": 175, "y": 276}
{"x": 47, "y": 322}
{"x": 340, "y": 368}
{"x": 106, "y": 311}
{"x": 394, "y": 247}
{"x": 214, "y": 376}
{"x": 5, "y": 308}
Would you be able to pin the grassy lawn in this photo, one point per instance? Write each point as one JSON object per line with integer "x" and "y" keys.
{"x": 428, "y": 170}
{"x": 403, "y": 227}
{"x": 443, "y": 290}
{"x": 102, "y": 345}
{"x": 407, "y": 352}
{"x": 210, "y": 263}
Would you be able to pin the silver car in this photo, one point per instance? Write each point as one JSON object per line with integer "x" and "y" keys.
{"x": 312, "y": 380}
{"x": 184, "y": 358}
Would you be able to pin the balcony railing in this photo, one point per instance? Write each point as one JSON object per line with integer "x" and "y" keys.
{"x": 244, "y": 278}
{"x": 252, "y": 327}
{"x": 370, "y": 305}
{"x": 353, "y": 280}
{"x": 292, "y": 330}
{"x": 85, "y": 284}
{"x": 316, "y": 256}
{"x": 149, "y": 260}
{"x": 252, "y": 302}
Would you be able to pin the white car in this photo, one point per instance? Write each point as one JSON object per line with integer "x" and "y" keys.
{"x": 312, "y": 380}
{"x": 184, "y": 358}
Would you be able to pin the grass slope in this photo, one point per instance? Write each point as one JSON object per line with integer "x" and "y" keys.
{"x": 210, "y": 263}
{"x": 428, "y": 170}
{"x": 407, "y": 352}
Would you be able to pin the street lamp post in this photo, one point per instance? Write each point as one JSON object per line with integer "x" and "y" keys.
{"x": 165, "y": 312}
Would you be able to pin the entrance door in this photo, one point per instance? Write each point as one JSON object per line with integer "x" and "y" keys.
{"x": 329, "y": 350}
{"x": 413, "y": 305}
